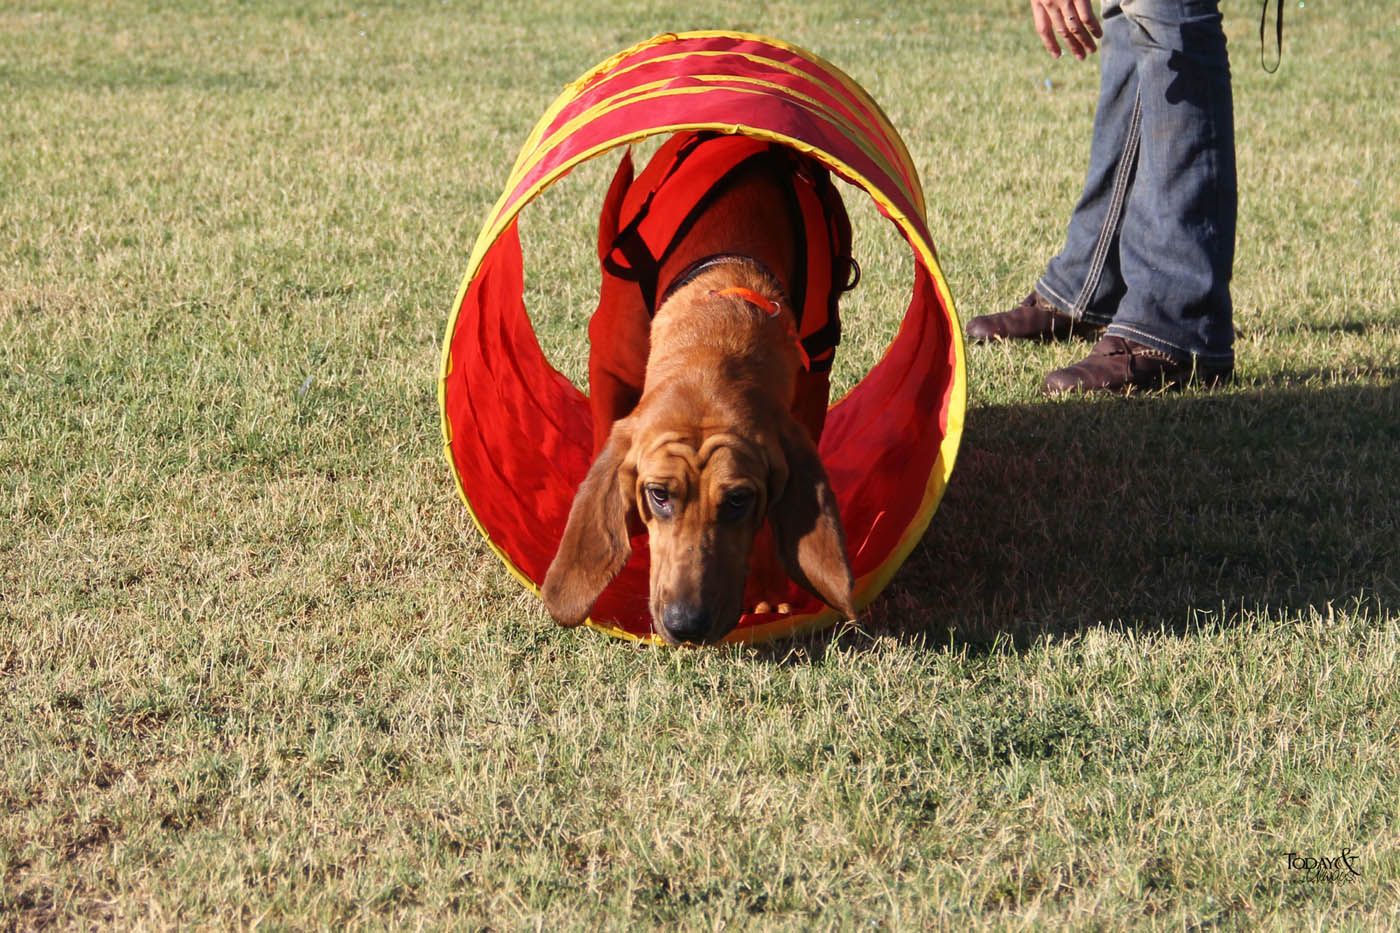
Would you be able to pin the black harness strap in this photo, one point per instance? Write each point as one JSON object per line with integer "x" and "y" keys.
{"x": 705, "y": 263}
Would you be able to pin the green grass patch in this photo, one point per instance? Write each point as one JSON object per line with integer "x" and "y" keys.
{"x": 258, "y": 668}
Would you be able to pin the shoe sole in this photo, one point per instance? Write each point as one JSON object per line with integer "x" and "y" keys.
{"x": 1176, "y": 383}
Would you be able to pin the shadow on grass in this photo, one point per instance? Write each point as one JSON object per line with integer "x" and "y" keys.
{"x": 1158, "y": 512}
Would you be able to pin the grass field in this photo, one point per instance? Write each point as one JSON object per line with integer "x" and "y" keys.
{"x": 258, "y": 669}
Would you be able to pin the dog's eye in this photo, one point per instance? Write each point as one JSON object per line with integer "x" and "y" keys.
{"x": 659, "y": 500}
{"x": 736, "y": 504}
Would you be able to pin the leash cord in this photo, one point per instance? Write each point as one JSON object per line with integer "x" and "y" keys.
{"x": 1278, "y": 36}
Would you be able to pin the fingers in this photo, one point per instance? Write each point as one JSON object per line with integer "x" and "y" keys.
{"x": 1071, "y": 20}
{"x": 1044, "y": 28}
{"x": 1084, "y": 11}
{"x": 1068, "y": 26}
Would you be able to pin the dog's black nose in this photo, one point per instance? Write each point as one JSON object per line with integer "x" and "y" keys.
{"x": 686, "y": 621}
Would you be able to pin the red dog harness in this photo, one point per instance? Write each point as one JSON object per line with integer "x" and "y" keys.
{"x": 643, "y": 220}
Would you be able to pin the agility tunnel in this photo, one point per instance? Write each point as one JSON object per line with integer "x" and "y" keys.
{"x": 518, "y": 434}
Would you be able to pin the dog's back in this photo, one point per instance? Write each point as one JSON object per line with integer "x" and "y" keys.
{"x": 704, "y": 195}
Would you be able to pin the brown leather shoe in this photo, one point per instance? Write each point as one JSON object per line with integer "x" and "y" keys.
{"x": 1033, "y": 319}
{"x": 1117, "y": 364}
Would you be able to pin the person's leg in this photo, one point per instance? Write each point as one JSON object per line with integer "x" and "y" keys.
{"x": 1177, "y": 242}
{"x": 1084, "y": 280}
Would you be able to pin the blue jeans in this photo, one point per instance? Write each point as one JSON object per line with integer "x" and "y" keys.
{"x": 1151, "y": 243}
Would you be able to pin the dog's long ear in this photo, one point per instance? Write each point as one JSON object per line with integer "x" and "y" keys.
{"x": 595, "y": 545}
{"x": 807, "y": 524}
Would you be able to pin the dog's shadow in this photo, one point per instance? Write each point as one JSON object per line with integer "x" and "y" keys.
{"x": 1155, "y": 513}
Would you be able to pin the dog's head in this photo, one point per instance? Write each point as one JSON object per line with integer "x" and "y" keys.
{"x": 703, "y": 493}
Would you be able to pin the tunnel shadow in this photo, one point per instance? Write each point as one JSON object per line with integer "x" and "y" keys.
{"x": 1158, "y": 513}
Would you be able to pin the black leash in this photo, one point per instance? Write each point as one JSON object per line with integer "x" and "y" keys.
{"x": 1278, "y": 36}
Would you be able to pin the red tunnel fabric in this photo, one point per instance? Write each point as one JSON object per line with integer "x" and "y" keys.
{"x": 518, "y": 434}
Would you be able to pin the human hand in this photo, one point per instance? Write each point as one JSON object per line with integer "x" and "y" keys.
{"x": 1072, "y": 20}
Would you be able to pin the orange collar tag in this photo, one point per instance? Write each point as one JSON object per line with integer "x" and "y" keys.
{"x": 752, "y": 297}
{"x": 767, "y": 304}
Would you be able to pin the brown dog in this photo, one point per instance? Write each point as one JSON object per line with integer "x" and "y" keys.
{"x": 722, "y": 437}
